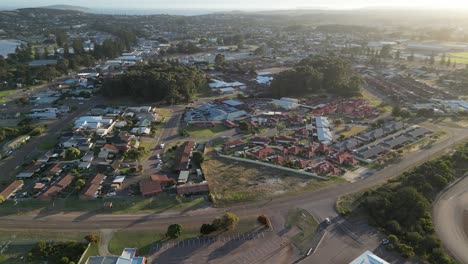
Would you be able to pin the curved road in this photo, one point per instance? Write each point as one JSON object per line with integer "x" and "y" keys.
{"x": 320, "y": 203}
{"x": 449, "y": 216}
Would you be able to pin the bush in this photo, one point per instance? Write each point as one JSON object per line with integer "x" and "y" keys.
{"x": 92, "y": 238}
{"x": 174, "y": 231}
{"x": 206, "y": 229}
{"x": 264, "y": 220}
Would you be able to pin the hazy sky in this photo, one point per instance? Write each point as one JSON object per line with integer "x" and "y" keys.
{"x": 241, "y": 4}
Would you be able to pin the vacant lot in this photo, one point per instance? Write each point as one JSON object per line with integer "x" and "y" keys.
{"x": 234, "y": 182}
{"x": 354, "y": 130}
{"x": 205, "y": 132}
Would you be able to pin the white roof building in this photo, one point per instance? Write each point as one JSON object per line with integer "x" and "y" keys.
{"x": 288, "y": 105}
{"x": 368, "y": 258}
{"x": 324, "y": 135}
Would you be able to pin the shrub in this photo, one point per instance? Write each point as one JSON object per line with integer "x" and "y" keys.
{"x": 206, "y": 229}
{"x": 92, "y": 238}
{"x": 264, "y": 220}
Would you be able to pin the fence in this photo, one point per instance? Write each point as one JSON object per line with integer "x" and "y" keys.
{"x": 275, "y": 167}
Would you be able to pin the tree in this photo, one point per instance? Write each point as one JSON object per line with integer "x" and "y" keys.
{"x": 230, "y": 220}
{"x": 80, "y": 183}
{"x": 219, "y": 59}
{"x": 198, "y": 157}
{"x": 442, "y": 59}
{"x": 2, "y": 199}
{"x": 72, "y": 154}
{"x": 432, "y": 59}
{"x": 64, "y": 260}
{"x": 264, "y": 220}
{"x": 92, "y": 238}
{"x": 174, "y": 231}
{"x": 396, "y": 111}
{"x": 206, "y": 229}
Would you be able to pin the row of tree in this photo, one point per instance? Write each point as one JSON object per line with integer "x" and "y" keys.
{"x": 157, "y": 81}
{"x": 402, "y": 207}
{"x": 318, "y": 74}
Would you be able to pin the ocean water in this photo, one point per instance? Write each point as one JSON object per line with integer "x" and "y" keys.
{"x": 8, "y": 46}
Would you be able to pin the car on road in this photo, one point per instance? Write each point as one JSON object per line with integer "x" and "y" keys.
{"x": 161, "y": 145}
{"x": 327, "y": 221}
{"x": 158, "y": 156}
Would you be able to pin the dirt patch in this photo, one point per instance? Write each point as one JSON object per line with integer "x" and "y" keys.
{"x": 234, "y": 182}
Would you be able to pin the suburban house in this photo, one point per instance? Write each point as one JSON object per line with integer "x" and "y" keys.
{"x": 154, "y": 185}
{"x": 343, "y": 158}
{"x": 128, "y": 256}
{"x": 260, "y": 140}
{"x": 233, "y": 144}
{"x": 263, "y": 153}
{"x": 183, "y": 155}
{"x": 57, "y": 187}
{"x": 395, "y": 142}
{"x": 108, "y": 151}
{"x": 16, "y": 143}
{"x": 83, "y": 144}
{"x": 348, "y": 144}
{"x": 285, "y": 139}
{"x": 369, "y": 153}
{"x": 326, "y": 168}
{"x": 11, "y": 189}
{"x": 55, "y": 169}
{"x": 301, "y": 133}
{"x": 92, "y": 187}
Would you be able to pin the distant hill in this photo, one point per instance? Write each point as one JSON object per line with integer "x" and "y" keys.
{"x": 67, "y": 7}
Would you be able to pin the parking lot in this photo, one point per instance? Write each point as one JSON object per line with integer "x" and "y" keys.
{"x": 254, "y": 247}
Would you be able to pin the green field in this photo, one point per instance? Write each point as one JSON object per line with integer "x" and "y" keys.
{"x": 459, "y": 57}
{"x": 93, "y": 250}
{"x": 205, "y": 132}
{"x": 32, "y": 236}
{"x": 307, "y": 225}
{"x": 49, "y": 143}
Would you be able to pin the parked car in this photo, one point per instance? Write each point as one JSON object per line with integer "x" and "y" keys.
{"x": 385, "y": 241}
{"x": 327, "y": 221}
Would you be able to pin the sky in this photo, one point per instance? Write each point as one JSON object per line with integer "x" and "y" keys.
{"x": 240, "y": 4}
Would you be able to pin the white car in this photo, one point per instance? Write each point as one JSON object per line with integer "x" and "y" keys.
{"x": 328, "y": 221}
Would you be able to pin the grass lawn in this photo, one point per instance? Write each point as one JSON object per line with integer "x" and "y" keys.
{"x": 120, "y": 206}
{"x": 34, "y": 235}
{"x": 459, "y": 57}
{"x": 144, "y": 240}
{"x": 375, "y": 101}
{"x": 164, "y": 113}
{"x": 354, "y": 130}
{"x": 205, "y": 132}
{"x": 13, "y": 254}
{"x": 93, "y": 250}
{"x": 234, "y": 182}
{"x": 49, "y": 143}
{"x": 149, "y": 144}
{"x": 9, "y": 122}
{"x": 5, "y": 93}
{"x": 303, "y": 220}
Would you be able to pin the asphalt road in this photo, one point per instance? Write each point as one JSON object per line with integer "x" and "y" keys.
{"x": 21, "y": 155}
{"x": 320, "y": 203}
{"x": 450, "y": 219}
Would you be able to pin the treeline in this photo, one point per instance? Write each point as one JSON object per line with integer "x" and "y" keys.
{"x": 402, "y": 208}
{"x": 185, "y": 48}
{"x": 318, "y": 74}
{"x": 157, "y": 81}
{"x": 57, "y": 252}
{"x": 343, "y": 29}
